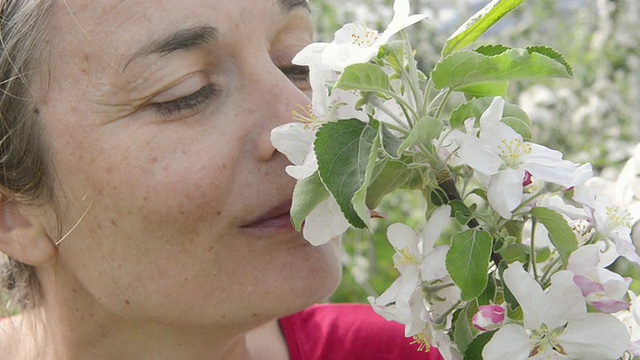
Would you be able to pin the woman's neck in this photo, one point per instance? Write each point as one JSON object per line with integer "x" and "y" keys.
{"x": 25, "y": 337}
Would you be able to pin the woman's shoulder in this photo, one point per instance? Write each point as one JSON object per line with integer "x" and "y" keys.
{"x": 347, "y": 331}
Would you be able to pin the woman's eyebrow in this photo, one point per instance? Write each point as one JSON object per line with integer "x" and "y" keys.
{"x": 179, "y": 40}
{"x": 288, "y": 5}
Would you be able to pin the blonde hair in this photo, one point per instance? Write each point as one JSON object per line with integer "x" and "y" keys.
{"x": 24, "y": 170}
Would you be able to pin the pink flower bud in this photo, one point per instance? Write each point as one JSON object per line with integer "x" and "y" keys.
{"x": 488, "y": 317}
{"x": 527, "y": 179}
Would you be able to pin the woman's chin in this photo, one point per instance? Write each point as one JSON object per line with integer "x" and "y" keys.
{"x": 322, "y": 272}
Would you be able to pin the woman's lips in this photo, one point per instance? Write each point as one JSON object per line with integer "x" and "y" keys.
{"x": 277, "y": 217}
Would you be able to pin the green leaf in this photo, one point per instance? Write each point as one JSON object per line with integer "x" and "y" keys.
{"x": 427, "y": 129}
{"x": 473, "y": 28}
{"x": 491, "y": 50}
{"x": 467, "y": 68}
{"x": 343, "y": 149}
{"x": 518, "y": 120}
{"x": 543, "y": 254}
{"x": 473, "y": 108}
{"x": 307, "y": 194}
{"x": 462, "y": 333}
{"x": 481, "y": 193}
{"x": 519, "y": 125}
{"x": 359, "y": 199}
{"x": 489, "y": 294}
{"x": 363, "y": 77}
{"x": 391, "y": 174}
{"x": 549, "y": 52}
{"x": 438, "y": 197}
{"x": 498, "y": 88}
{"x": 390, "y": 143}
{"x": 460, "y": 211}
{"x": 474, "y": 350}
{"x": 560, "y": 233}
{"x": 513, "y": 115}
{"x": 515, "y": 252}
{"x": 514, "y": 228}
{"x": 468, "y": 261}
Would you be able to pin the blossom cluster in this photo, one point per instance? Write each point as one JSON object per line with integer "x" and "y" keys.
{"x": 525, "y": 274}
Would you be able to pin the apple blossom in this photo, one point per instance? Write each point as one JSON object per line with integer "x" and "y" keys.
{"x": 602, "y": 288}
{"x": 556, "y": 323}
{"x": 500, "y": 153}
{"x": 295, "y": 141}
{"x": 609, "y": 219}
{"x": 327, "y": 103}
{"x": 403, "y": 302}
{"x": 631, "y": 319}
{"x": 439, "y": 340}
{"x": 419, "y": 253}
{"x": 357, "y": 44}
{"x": 419, "y": 262}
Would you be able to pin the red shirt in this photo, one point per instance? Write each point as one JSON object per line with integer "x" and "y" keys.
{"x": 348, "y": 332}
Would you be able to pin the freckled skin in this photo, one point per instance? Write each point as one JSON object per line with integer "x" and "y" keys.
{"x": 162, "y": 240}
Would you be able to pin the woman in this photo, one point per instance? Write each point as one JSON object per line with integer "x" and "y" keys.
{"x": 144, "y": 209}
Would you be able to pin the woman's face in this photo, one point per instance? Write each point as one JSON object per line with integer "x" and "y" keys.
{"x": 158, "y": 115}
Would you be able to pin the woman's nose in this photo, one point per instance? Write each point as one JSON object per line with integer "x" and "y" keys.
{"x": 280, "y": 98}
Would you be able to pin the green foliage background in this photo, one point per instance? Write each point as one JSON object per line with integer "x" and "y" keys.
{"x": 591, "y": 118}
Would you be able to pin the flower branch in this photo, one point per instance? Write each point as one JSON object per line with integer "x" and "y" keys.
{"x": 514, "y": 212}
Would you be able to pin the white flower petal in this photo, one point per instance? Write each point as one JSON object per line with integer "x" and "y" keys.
{"x": 433, "y": 266}
{"x": 627, "y": 250}
{"x": 403, "y": 303}
{"x": 401, "y": 9}
{"x": 338, "y": 56}
{"x": 510, "y": 342}
{"x": 306, "y": 169}
{"x": 563, "y": 302}
{"x": 556, "y": 203}
{"x": 528, "y": 293}
{"x": 434, "y": 227}
{"x": 401, "y": 236}
{"x": 564, "y": 172}
{"x": 324, "y": 223}
{"x": 401, "y": 20}
{"x": 294, "y": 140}
{"x": 449, "y": 296}
{"x": 584, "y": 195}
{"x": 584, "y": 257}
{"x": 542, "y": 155}
{"x": 596, "y": 337}
{"x": 505, "y": 191}
{"x": 476, "y": 154}
{"x": 490, "y": 119}
{"x": 445, "y": 346}
{"x": 309, "y": 53}
{"x": 396, "y": 25}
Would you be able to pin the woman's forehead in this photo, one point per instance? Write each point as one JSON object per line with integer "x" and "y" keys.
{"x": 94, "y": 44}
{"x": 114, "y": 30}
{"x": 105, "y": 10}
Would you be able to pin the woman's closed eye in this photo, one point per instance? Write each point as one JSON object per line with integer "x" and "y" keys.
{"x": 299, "y": 75}
{"x": 191, "y": 102}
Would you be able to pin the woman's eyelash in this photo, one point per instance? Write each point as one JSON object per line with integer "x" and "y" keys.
{"x": 297, "y": 73}
{"x": 189, "y": 102}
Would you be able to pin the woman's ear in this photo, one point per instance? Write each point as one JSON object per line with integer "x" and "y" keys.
{"x": 22, "y": 236}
